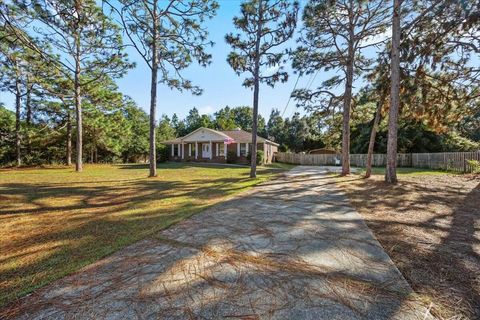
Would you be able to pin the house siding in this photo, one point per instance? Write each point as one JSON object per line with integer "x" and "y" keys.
{"x": 231, "y": 148}
{"x": 207, "y": 136}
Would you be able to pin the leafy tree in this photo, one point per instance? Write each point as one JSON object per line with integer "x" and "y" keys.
{"x": 413, "y": 137}
{"x": 7, "y": 132}
{"x": 179, "y": 126}
{"x": 297, "y": 132}
{"x": 104, "y": 120}
{"x": 224, "y": 119}
{"x": 136, "y": 144}
{"x": 276, "y": 126}
{"x": 243, "y": 117}
{"x": 265, "y": 25}
{"x": 238, "y": 117}
{"x": 166, "y": 130}
{"x": 88, "y": 41}
{"x": 206, "y": 121}
{"x": 194, "y": 120}
{"x": 169, "y": 36}
{"x": 470, "y": 126}
{"x": 334, "y": 37}
{"x": 314, "y": 139}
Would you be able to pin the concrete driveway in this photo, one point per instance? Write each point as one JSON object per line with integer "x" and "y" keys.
{"x": 292, "y": 248}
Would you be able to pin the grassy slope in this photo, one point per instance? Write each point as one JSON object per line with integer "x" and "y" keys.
{"x": 55, "y": 221}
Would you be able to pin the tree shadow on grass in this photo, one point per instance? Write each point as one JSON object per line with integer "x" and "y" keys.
{"x": 73, "y": 225}
{"x": 251, "y": 257}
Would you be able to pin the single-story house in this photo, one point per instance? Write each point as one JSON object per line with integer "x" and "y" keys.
{"x": 208, "y": 145}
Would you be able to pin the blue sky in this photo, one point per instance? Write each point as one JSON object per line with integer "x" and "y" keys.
{"x": 221, "y": 85}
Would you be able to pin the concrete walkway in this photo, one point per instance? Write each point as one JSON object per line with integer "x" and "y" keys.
{"x": 291, "y": 248}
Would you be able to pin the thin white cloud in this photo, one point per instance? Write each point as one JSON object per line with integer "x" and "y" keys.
{"x": 270, "y": 70}
{"x": 206, "y": 109}
{"x": 377, "y": 38}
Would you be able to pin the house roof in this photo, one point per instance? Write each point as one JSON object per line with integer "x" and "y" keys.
{"x": 205, "y": 129}
{"x": 245, "y": 136}
{"x": 237, "y": 135}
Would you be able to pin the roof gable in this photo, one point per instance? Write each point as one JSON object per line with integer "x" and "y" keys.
{"x": 204, "y": 134}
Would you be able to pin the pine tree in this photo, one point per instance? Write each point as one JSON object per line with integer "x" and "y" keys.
{"x": 264, "y": 25}
{"x": 87, "y": 40}
{"x": 334, "y": 37}
{"x": 169, "y": 36}
{"x": 431, "y": 35}
{"x": 16, "y": 61}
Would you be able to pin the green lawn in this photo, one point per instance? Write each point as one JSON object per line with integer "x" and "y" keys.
{"x": 55, "y": 221}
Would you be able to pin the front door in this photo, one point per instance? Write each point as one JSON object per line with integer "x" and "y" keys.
{"x": 205, "y": 150}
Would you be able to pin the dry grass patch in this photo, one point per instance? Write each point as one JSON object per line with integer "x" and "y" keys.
{"x": 55, "y": 221}
{"x": 429, "y": 224}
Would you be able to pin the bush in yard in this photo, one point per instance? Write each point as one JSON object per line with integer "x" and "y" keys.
{"x": 260, "y": 157}
{"x": 475, "y": 165}
{"x": 232, "y": 157}
{"x": 162, "y": 153}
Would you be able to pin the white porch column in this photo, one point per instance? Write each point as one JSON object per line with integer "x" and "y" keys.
{"x": 178, "y": 148}
{"x": 246, "y": 149}
{"x": 189, "y": 149}
{"x": 211, "y": 151}
{"x": 238, "y": 149}
{"x": 183, "y": 150}
{"x": 173, "y": 149}
{"x": 216, "y": 149}
{"x": 225, "y": 149}
{"x": 196, "y": 149}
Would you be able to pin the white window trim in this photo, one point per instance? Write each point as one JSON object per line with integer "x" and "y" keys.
{"x": 246, "y": 149}
{"x": 219, "y": 149}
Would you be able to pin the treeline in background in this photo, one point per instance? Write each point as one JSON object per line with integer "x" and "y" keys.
{"x": 116, "y": 130}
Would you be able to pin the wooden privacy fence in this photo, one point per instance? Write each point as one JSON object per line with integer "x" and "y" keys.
{"x": 451, "y": 161}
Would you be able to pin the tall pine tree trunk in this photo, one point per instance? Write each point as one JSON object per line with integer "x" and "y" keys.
{"x": 391, "y": 170}
{"x": 256, "y": 89}
{"x": 18, "y": 95}
{"x": 78, "y": 110}
{"x": 153, "y": 96}
{"x": 373, "y": 135}
{"x": 69, "y": 139}
{"x": 28, "y": 118}
{"x": 347, "y": 106}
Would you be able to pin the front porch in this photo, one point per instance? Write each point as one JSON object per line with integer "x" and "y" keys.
{"x": 211, "y": 151}
{"x": 208, "y": 145}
